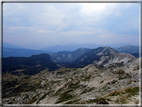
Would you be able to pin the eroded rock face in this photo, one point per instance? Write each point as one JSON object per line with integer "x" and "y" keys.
{"x": 90, "y": 84}
{"x": 122, "y": 58}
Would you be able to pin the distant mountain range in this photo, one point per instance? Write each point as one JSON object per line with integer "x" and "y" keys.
{"x": 101, "y": 56}
{"x": 60, "y": 53}
{"x": 74, "y": 46}
{"x": 69, "y": 47}
{"x": 7, "y": 45}
{"x": 134, "y": 50}
{"x": 128, "y": 49}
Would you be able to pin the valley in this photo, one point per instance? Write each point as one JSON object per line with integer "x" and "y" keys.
{"x": 84, "y": 76}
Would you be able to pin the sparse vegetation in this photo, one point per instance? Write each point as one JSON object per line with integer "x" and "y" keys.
{"x": 114, "y": 93}
{"x": 9, "y": 77}
{"x": 120, "y": 71}
{"x": 124, "y": 94}
{"x": 126, "y": 75}
{"x": 73, "y": 84}
{"x": 65, "y": 96}
{"x": 132, "y": 90}
{"x": 87, "y": 78}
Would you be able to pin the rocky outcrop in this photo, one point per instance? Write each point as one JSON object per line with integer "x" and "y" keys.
{"x": 123, "y": 58}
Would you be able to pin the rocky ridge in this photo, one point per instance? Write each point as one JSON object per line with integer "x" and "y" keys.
{"x": 102, "y": 56}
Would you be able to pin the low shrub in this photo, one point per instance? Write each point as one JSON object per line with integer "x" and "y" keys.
{"x": 114, "y": 93}
{"x": 120, "y": 71}
{"x": 132, "y": 90}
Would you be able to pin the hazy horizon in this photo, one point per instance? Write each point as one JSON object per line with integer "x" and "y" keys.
{"x": 39, "y": 25}
{"x": 117, "y": 45}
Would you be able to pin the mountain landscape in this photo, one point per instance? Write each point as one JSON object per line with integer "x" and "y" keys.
{"x": 84, "y": 76}
{"x": 71, "y": 54}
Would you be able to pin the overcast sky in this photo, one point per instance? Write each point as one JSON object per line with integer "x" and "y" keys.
{"x": 39, "y": 25}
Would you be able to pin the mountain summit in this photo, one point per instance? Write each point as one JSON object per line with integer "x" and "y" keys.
{"x": 106, "y": 51}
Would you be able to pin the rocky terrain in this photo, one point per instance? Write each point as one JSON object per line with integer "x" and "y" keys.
{"x": 111, "y": 79}
{"x": 88, "y": 85}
